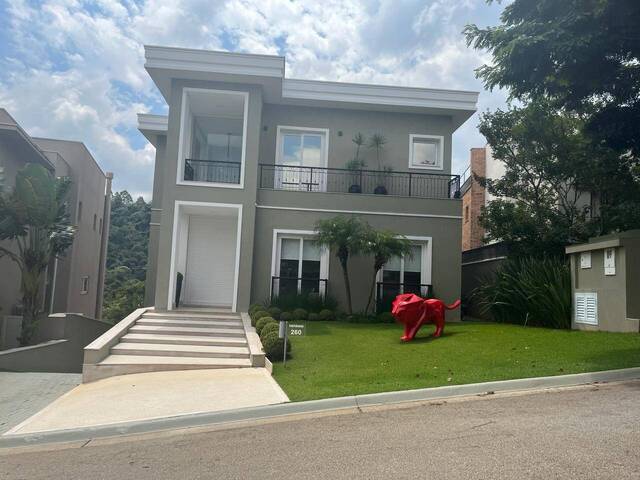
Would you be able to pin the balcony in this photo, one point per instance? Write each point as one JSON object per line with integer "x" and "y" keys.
{"x": 213, "y": 171}
{"x": 292, "y": 286}
{"x": 341, "y": 180}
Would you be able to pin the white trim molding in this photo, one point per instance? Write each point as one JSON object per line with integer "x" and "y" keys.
{"x": 176, "y": 214}
{"x": 360, "y": 212}
{"x": 439, "y": 151}
{"x": 181, "y": 138}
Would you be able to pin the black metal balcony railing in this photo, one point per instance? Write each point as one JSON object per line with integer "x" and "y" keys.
{"x": 281, "y": 286}
{"x": 213, "y": 171}
{"x": 342, "y": 180}
{"x": 387, "y": 291}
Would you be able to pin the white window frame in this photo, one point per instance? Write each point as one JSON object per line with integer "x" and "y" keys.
{"x": 185, "y": 130}
{"x": 582, "y": 317}
{"x": 425, "y": 260}
{"x": 585, "y": 260}
{"x": 278, "y": 235}
{"x": 324, "y": 134}
{"x": 440, "y": 151}
{"x": 84, "y": 289}
{"x": 609, "y": 267}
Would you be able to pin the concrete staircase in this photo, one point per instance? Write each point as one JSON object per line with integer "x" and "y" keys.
{"x": 175, "y": 340}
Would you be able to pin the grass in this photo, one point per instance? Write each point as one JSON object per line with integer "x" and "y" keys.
{"x": 337, "y": 359}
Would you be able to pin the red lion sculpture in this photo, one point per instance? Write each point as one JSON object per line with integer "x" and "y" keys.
{"x": 414, "y": 311}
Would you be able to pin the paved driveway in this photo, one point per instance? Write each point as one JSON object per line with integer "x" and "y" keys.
{"x": 587, "y": 433}
{"x": 24, "y": 394}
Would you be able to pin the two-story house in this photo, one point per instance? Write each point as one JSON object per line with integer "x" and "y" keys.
{"x": 247, "y": 161}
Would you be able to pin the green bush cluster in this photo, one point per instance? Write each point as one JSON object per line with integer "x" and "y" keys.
{"x": 529, "y": 291}
{"x": 274, "y": 346}
{"x": 275, "y": 312}
{"x": 311, "y": 302}
{"x": 300, "y": 314}
{"x": 326, "y": 315}
{"x": 262, "y": 322}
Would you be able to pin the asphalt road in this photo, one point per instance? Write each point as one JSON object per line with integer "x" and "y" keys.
{"x": 591, "y": 433}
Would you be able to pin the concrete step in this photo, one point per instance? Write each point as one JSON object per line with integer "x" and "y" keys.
{"x": 192, "y": 315}
{"x": 125, "y": 364}
{"x": 191, "y": 323}
{"x": 183, "y": 339}
{"x": 193, "y": 331}
{"x": 171, "y": 350}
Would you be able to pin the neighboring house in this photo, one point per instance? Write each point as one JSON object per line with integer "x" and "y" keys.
{"x": 475, "y": 197}
{"x": 247, "y": 161}
{"x": 75, "y": 282}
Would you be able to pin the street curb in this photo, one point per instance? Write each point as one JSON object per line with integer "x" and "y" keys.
{"x": 312, "y": 406}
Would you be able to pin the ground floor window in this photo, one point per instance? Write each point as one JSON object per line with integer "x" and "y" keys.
{"x": 408, "y": 274}
{"x": 301, "y": 266}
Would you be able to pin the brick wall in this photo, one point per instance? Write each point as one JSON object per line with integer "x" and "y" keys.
{"x": 472, "y": 203}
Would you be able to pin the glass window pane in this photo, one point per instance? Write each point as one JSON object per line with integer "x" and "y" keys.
{"x": 425, "y": 152}
{"x": 290, "y": 249}
{"x": 393, "y": 264}
{"x": 413, "y": 263}
{"x": 292, "y": 149}
{"x": 310, "y": 250}
{"x": 412, "y": 282}
{"x": 312, "y": 151}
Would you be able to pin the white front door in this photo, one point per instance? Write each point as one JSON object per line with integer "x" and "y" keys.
{"x": 211, "y": 254}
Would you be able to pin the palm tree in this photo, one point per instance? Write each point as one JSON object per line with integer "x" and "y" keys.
{"x": 384, "y": 245}
{"x": 377, "y": 141}
{"x": 347, "y": 236}
{"x": 34, "y": 215}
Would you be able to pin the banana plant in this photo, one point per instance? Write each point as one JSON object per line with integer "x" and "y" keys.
{"x": 34, "y": 218}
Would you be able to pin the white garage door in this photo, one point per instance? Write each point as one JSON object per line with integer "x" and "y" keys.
{"x": 211, "y": 255}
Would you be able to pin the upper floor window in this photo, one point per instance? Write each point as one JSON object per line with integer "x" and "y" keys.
{"x": 212, "y": 137}
{"x": 426, "y": 151}
{"x": 299, "y": 150}
{"x": 84, "y": 285}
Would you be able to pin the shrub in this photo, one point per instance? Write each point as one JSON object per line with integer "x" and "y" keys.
{"x": 286, "y": 316}
{"x": 326, "y": 315}
{"x": 385, "y": 317}
{"x": 274, "y": 346}
{"x": 528, "y": 291}
{"x": 312, "y": 302}
{"x": 300, "y": 314}
{"x": 275, "y": 312}
{"x": 257, "y": 315}
{"x": 268, "y": 328}
{"x": 262, "y": 322}
{"x": 255, "y": 307}
{"x": 313, "y": 317}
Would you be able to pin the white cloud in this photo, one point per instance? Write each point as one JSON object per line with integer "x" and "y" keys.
{"x": 74, "y": 69}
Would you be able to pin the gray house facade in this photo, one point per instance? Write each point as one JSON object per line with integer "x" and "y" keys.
{"x": 247, "y": 161}
{"x": 74, "y": 282}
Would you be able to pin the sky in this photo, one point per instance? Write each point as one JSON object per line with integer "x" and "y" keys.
{"x": 74, "y": 69}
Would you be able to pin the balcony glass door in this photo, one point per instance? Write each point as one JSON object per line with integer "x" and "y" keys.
{"x": 301, "y": 155}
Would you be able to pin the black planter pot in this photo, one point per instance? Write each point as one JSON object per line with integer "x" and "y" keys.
{"x": 355, "y": 189}
{"x": 380, "y": 190}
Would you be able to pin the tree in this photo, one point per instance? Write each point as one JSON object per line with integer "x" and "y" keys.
{"x": 127, "y": 255}
{"x": 551, "y": 171}
{"x": 35, "y": 216}
{"x": 584, "y": 55}
{"x": 347, "y": 236}
{"x": 384, "y": 245}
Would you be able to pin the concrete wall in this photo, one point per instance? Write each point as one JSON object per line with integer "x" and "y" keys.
{"x": 343, "y": 124}
{"x": 59, "y": 344}
{"x": 160, "y": 169}
{"x": 445, "y": 233}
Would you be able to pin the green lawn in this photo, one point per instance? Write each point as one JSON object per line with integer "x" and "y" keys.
{"x": 337, "y": 359}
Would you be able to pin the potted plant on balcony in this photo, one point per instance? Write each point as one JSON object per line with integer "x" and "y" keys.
{"x": 356, "y": 165}
{"x": 377, "y": 142}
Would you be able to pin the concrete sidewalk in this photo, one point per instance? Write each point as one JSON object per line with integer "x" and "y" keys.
{"x": 23, "y": 394}
{"x": 147, "y": 396}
